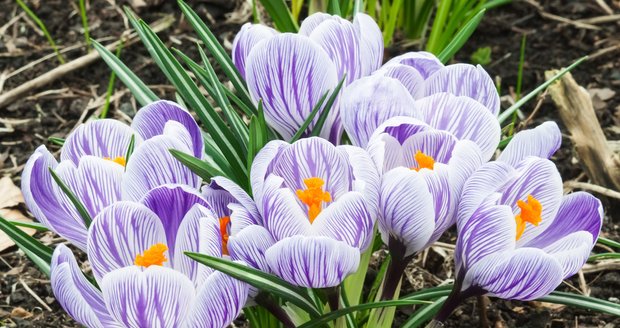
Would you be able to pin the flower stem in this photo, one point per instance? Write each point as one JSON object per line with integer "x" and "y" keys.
{"x": 274, "y": 308}
{"x": 454, "y": 299}
{"x": 395, "y": 269}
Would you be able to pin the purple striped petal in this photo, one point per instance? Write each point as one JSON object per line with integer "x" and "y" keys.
{"x": 347, "y": 219}
{"x": 312, "y": 22}
{"x": 386, "y": 152}
{"x": 249, "y": 245}
{"x": 371, "y": 43}
{"x": 424, "y": 62}
{"x": 248, "y": 36}
{"x": 102, "y": 138}
{"x": 572, "y": 251}
{"x": 152, "y": 118}
{"x": 263, "y": 165}
{"x": 238, "y": 196}
{"x": 465, "y": 160}
{"x": 407, "y": 76}
{"x": 405, "y": 215}
{"x": 482, "y": 184}
{"x": 314, "y": 157}
{"x": 490, "y": 230}
{"x": 369, "y": 102}
{"x": 445, "y": 199}
{"x": 76, "y": 295}
{"x": 435, "y": 143}
{"x": 524, "y": 274}
{"x": 339, "y": 39}
{"x": 152, "y": 165}
{"x": 313, "y": 262}
{"x": 171, "y": 203}
{"x": 218, "y": 302}
{"x": 42, "y": 196}
{"x": 578, "y": 211}
{"x": 463, "y": 117}
{"x": 402, "y": 127}
{"x": 120, "y": 233}
{"x": 365, "y": 176}
{"x": 281, "y": 210}
{"x": 199, "y": 232}
{"x": 465, "y": 80}
{"x": 290, "y": 73}
{"x": 542, "y": 141}
{"x": 154, "y": 297}
{"x": 540, "y": 178}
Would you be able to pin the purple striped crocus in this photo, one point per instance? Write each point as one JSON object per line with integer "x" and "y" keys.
{"x": 291, "y": 72}
{"x": 314, "y": 212}
{"x": 412, "y": 85}
{"x": 136, "y": 253}
{"x": 93, "y": 166}
{"x": 519, "y": 237}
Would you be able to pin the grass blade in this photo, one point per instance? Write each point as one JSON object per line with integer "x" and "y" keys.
{"x": 73, "y": 198}
{"x": 201, "y": 168}
{"x": 281, "y": 15}
{"x": 85, "y": 23}
{"x": 424, "y": 314}
{"x": 37, "y": 252}
{"x": 259, "y": 279}
{"x": 461, "y": 37}
{"x": 316, "y": 130}
{"x": 39, "y": 23}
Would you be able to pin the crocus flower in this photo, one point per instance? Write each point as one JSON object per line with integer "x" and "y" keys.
{"x": 291, "y": 72}
{"x": 408, "y": 85}
{"x": 316, "y": 204}
{"x": 518, "y": 236}
{"x": 94, "y": 166}
{"x": 136, "y": 254}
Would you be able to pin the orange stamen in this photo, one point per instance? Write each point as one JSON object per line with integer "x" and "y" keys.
{"x": 531, "y": 211}
{"x": 224, "y": 221}
{"x": 314, "y": 196}
{"x": 152, "y": 256}
{"x": 424, "y": 161}
{"x": 118, "y": 160}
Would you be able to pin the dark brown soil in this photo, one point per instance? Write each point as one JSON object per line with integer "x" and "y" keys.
{"x": 28, "y": 122}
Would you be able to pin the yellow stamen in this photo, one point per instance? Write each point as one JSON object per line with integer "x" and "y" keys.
{"x": 531, "y": 211}
{"x": 424, "y": 161}
{"x": 118, "y": 160}
{"x": 314, "y": 196}
{"x": 152, "y": 256}
{"x": 224, "y": 221}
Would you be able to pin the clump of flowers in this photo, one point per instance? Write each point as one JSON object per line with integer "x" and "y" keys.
{"x": 399, "y": 154}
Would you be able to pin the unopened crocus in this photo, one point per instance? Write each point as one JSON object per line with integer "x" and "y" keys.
{"x": 317, "y": 205}
{"x": 136, "y": 254}
{"x": 518, "y": 236}
{"x": 423, "y": 170}
{"x": 290, "y": 73}
{"x": 94, "y": 166}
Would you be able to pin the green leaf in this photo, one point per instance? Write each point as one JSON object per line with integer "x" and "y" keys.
{"x": 424, "y": 314}
{"x": 333, "y": 8}
{"x": 73, "y": 198}
{"x": 585, "y": 302}
{"x": 482, "y": 56}
{"x": 281, "y": 15}
{"x": 260, "y": 280}
{"x": 504, "y": 142}
{"x": 508, "y": 112}
{"x": 608, "y": 242}
{"x": 461, "y": 37}
{"x": 259, "y": 135}
{"x": 218, "y": 52}
{"x": 316, "y": 130}
{"x": 200, "y": 167}
{"x": 604, "y": 256}
{"x": 130, "y": 148}
{"x": 56, "y": 141}
{"x": 31, "y": 225}
{"x": 40, "y": 254}
{"x": 309, "y": 119}
{"x": 326, "y": 318}
{"x": 139, "y": 90}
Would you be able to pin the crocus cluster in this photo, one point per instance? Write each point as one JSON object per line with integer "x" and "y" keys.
{"x": 422, "y": 157}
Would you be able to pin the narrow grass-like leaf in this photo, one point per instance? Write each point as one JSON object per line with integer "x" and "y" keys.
{"x": 85, "y": 22}
{"x": 308, "y": 120}
{"x": 424, "y": 314}
{"x": 260, "y": 280}
{"x": 218, "y": 52}
{"x": 508, "y": 112}
{"x": 139, "y": 90}
{"x": 130, "y": 148}
{"x": 200, "y": 167}
{"x": 326, "y": 318}
{"x": 333, "y": 7}
{"x": 222, "y": 135}
{"x": 461, "y": 37}
{"x": 316, "y": 130}
{"x": 56, "y": 141}
{"x": 73, "y": 198}
{"x": 259, "y": 135}
{"x": 108, "y": 94}
{"x": 281, "y": 15}
{"x": 24, "y": 241}
{"x": 608, "y": 242}
{"x": 504, "y": 142}
{"x": 41, "y": 25}
{"x": 31, "y": 225}
{"x": 585, "y": 302}
{"x": 604, "y": 256}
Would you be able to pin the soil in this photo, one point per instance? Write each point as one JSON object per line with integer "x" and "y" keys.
{"x": 55, "y": 109}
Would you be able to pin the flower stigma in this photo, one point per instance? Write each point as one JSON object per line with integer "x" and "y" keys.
{"x": 314, "y": 196}
{"x": 531, "y": 211}
{"x": 424, "y": 161}
{"x": 224, "y": 222}
{"x": 152, "y": 256}
{"x": 118, "y": 160}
